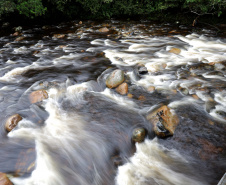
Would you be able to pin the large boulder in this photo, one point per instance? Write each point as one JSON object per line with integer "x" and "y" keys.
{"x": 115, "y": 78}
{"x": 38, "y": 96}
{"x": 12, "y": 122}
{"x": 164, "y": 122}
{"x": 4, "y": 180}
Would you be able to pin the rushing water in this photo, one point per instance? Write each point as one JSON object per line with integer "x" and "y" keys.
{"x": 82, "y": 133}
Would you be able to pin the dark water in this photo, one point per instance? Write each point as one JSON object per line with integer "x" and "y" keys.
{"x": 82, "y": 133}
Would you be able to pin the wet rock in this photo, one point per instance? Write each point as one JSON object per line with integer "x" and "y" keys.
{"x": 16, "y": 34}
{"x": 59, "y": 36}
{"x": 141, "y": 98}
{"x": 80, "y": 22}
{"x": 115, "y": 78}
{"x": 122, "y": 89}
{"x": 38, "y": 96}
{"x": 130, "y": 96}
{"x": 175, "y": 50}
{"x": 164, "y": 121}
{"x": 183, "y": 91}
{"x": 12, "y": 122}
{"x": 104, "y": 29}
{"x": 139, "y": 135}
{"x": 4, "y": 180}
{"x": 151, "y": 89}
{"x": 142, "y": 70}
{"x": 19, "y": 38}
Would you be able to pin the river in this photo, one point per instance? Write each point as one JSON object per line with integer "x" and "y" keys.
{"x": 82, "y": 133}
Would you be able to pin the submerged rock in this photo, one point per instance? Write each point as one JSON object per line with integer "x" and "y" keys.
{"x": 4, "y": 180}
{"x": 175, "y": 51}
{"x": 139, "y": 135}
{"x": 164, "y": 121}
{"x": 115, "y": 78}
{"x": 122, "y": 89}
{"x": 12, "y": 122}
{"x": 38, "y": 96}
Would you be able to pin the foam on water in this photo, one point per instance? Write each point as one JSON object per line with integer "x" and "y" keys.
{"x": 153, "y": 164}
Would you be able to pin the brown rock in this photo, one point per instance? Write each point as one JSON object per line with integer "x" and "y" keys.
{"x": 38, "y": 96}
{"x": 151, "y": 88}
{"x": 59, "y": 36}
{"x": 12, "y": 122}
{"x": 164, "y": 121}
{"x": 19, "y": 38}
{"x": 4, "y": 180}
{"x": 130, "y": 96}
{"x": 80, "y": 22}
{"x": 122, "y": 89}
{"x": 195, "y": 96}
{"x": 175, "y": 50}
{"x": 141, "y": 98}
{"x": 104, "y": 29}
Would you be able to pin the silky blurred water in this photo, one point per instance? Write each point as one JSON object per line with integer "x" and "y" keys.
{"x": 82, "y": 133}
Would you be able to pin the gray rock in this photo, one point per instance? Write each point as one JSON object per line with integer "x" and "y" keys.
{"x": 115, "y": 78}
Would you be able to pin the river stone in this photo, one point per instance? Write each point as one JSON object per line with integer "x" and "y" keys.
{"x": 164, "y": 122}
{"x": 139, "y": 135}
{"x": 38, "y": 96}
{"x": 122, "y": 89}
{"x": 12, "y": 122}
{"x": 175, "y": 50}
{"x": 115, "y": 78}
{"x": 4, "y": 180}
{"x": 104, "y": 29}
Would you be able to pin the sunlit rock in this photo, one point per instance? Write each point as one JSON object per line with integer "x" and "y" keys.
{"x": 122, "y": 89}
{"x": 139, "y": 135}
{"x": 104, "y": 29}
{"x": 12, "y": 122}
{"x": 38, "y": 96}
{"x": 4, "y": 180}
{"x": 115, "y": 78}
{"x": 175, "y": 50}
{"x": 164, "y": 121}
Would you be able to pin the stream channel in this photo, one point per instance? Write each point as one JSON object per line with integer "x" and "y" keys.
{"x": 81, "y": 134}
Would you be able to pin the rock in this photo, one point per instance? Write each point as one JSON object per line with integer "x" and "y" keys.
{"x": 16, "y": 33}
{"x": 38, "y": 96}
{"x": 151, "y": 88}
{"x": 12, "y": 122}
{"x": 175, "y": 51}
{"x": 58, "y": 36}
{"x": 19, "y": 38}
{"x": 115, "y": 78}
{"x": 164, "y": 121}
{"x": 142, "y": 70}
{"x": 130, "y": 96}
{"x": 80, "y": 22}
{"x": 4, "y": 180}
{"x": 104, "y": 29}
{"x": 122, "y": 89}
{"x": 141, "y": 98}
{"x": 139, "y": 135}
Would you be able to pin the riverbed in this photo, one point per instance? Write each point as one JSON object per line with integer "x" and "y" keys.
{"x": 81, "y": 134}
